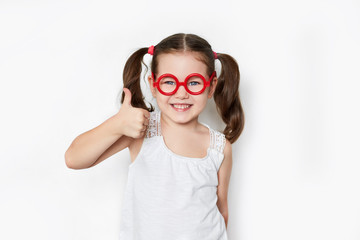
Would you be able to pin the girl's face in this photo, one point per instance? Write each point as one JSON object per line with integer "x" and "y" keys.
{"x": 181, "y": 65}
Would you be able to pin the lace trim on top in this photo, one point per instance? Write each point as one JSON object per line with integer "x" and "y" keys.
{"x": 154, "y": 125}
{"x": 217, "y": 139}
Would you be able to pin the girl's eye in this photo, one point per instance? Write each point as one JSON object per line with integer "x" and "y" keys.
{"x": 169, "y": 82}
{"x": 193, "y": 83}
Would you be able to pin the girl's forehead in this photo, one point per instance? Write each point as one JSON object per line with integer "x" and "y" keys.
{"x": 180, "y": 62}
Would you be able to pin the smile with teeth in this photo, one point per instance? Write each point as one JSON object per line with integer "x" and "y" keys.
{"x": 181, "y": 106}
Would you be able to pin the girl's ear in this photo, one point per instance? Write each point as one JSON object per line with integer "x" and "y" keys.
{"x": 212, "y": 87}
{"x": 153, "y": 90}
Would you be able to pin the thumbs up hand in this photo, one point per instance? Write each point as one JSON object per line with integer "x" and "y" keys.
{"x": 134, "y": 121}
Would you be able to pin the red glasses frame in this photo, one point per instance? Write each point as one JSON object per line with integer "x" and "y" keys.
{"x": 178, "y": 84}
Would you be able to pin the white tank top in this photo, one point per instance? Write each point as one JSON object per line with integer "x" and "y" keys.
{"x": 172, "y": 197}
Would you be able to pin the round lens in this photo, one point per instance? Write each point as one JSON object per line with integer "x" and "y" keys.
{"x": 195, "y": 84}
{"x": 167, "y": 84}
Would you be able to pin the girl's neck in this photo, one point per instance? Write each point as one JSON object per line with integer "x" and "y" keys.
{"x": 178, "y": 128}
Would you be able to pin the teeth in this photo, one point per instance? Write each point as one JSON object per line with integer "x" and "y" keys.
{"x": 181, "y": 106}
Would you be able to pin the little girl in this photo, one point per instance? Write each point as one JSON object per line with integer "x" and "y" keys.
{"x": 180, "y": 168}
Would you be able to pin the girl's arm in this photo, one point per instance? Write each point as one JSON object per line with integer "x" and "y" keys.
{"x": 85, "y": 150}
{"x": 224, "y": 179}
{"x": 110, "y": 137}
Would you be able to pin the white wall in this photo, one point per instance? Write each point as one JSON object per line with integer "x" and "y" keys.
{"x": 295, "y": 167}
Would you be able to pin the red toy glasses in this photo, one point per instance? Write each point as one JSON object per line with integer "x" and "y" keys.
{"x": 194, "y": 83}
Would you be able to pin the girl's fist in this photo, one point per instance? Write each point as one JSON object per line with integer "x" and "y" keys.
{"x": 134, "y": 121}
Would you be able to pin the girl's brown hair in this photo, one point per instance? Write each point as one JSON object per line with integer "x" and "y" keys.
{"x": 226, "y": 95}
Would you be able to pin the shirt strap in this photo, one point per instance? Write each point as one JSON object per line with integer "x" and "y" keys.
{"x": 217, "y": 139}
{"x": 153, "y": 128}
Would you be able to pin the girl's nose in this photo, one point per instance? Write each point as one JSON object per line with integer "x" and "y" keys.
{"x": 181, "y": 92}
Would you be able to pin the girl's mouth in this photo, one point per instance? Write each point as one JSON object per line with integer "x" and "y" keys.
{"x": 181, "y": 107}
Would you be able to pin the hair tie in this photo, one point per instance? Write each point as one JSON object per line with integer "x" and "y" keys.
{"x": 215, "y": 55}
{"x": 151, "y": 50}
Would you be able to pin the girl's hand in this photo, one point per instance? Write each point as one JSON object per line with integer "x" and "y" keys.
{"x": 134, "y": 121}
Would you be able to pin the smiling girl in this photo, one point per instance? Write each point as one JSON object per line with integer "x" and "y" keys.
{"x": 180, "y": 168}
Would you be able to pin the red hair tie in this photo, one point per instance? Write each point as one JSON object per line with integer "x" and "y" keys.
{"x": 151, "y": 50}
{"x": 215, "y": 55}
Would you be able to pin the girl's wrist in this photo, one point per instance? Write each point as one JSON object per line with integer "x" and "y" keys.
{"x": 116, "y": 123}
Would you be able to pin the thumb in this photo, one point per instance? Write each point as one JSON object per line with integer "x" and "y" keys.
{"x": 127, "y": 98}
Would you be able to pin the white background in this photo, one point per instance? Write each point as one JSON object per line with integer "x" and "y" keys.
{"x": 295, "y": 167}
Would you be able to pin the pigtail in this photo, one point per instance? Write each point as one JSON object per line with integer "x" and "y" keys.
{"x": 227, "y": 98}
{"x": 131, "y": 79}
